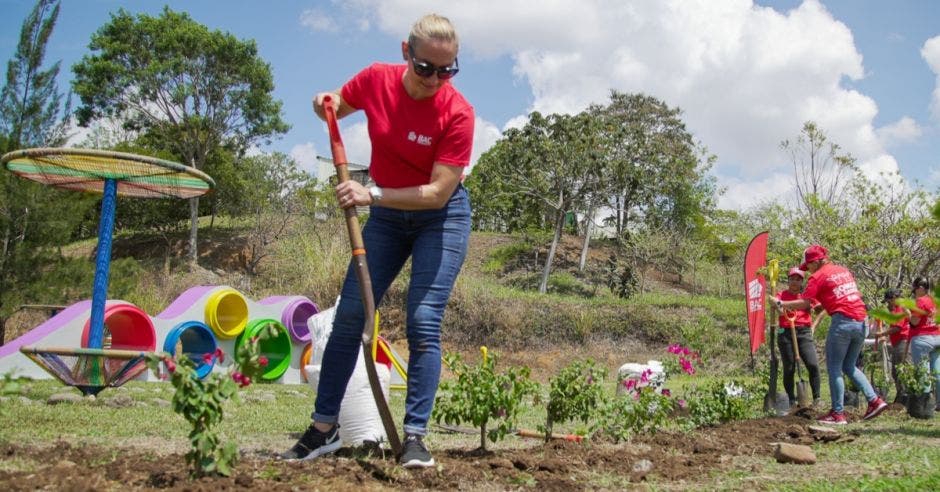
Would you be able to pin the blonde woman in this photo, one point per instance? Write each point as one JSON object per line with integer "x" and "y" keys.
{"x": 421, "y": 130}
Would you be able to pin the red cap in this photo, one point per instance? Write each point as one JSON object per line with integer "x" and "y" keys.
{"x": 795, "y": 271}
{"x": 813, "y": 253}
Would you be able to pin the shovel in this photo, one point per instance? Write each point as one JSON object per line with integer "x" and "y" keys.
{"x": 772, "y": 400}
{"x": 365, "y": 281}
{"x": 801, "y": 394}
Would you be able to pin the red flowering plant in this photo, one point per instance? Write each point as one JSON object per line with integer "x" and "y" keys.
{"x": 648, "y": 406}
{"x": 683, "y": 362}
{"x": 200, "y": 401}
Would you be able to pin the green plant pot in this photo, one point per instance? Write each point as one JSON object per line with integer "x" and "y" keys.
{"x": 920, "y": 405}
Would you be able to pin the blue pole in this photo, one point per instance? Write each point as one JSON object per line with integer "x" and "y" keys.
{"x": 99, "y": 293}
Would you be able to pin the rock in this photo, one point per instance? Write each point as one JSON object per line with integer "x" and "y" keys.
{"x": 794, "y": 453}
{"x": 824, "y": 434}
{"x": 24, "y": 400}
{"x": 160, "y": 402}
{"x": 64, "y": 465}
{"x": 643, "y": 466}
{"x": 119, "y": 401}
{"x": 795, "y": 431}
{"x": 640, "y": 469}
{"x": 260, "y": 396}
{"x": 63, "y": 398}
{"x": 501, "y": 463}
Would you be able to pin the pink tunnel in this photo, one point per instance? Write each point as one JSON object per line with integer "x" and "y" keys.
{"x": 130, "y": 328}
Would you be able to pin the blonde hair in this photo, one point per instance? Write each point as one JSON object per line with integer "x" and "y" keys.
{"x": 433, "y": 26}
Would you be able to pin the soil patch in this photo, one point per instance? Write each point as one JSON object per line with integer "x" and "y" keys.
{"x": 667, "y": 459}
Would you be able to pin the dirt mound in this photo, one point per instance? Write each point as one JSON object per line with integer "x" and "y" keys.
{"x": 665, "y": 458}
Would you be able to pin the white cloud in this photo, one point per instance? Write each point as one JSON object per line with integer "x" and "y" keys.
{"x": 931, "y": 54}
{"x": 740, "y": 194}
{"x": 306, "y": 157}
{"x": 485, "y": 134}
{"x": 745, "y": 76}
{"x": 318, "y": 20}
{"x": 357, "y": 143}
{"x": 901, "y": 131}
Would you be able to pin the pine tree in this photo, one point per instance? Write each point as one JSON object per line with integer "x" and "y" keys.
{"x": 33, "y": 218}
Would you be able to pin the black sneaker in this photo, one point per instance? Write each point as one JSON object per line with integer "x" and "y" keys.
{"x": 414, "y": 454}
{"x": 313, "y": 444}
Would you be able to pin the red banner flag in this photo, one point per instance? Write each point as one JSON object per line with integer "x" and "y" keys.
{"x": 754, "y": 287}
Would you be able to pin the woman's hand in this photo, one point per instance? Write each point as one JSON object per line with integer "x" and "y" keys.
{"x": 352, "y": 194}
{"x": 339, "y": 106}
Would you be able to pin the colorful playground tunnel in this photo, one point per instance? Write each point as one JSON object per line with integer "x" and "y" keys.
{"x": 129, "y": 328}
{"x": 276, "y": 348}
{"x": 194, "y": 339}
{"x": 227, "y": 313}
{"x": 295, "y": 317}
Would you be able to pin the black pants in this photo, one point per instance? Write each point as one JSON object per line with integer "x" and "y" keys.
{"x": 804, "y": 339}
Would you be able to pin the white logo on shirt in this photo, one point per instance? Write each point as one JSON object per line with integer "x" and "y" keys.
{"x": 421, "y": 139}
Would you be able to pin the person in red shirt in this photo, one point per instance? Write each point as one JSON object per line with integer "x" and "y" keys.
{"x": 898, "y": 337}
{"x": 833, "y": 286}
{"x": 801, "y": 322}
{"x": 421, "y": 129}
{"x": 925, "y": 333}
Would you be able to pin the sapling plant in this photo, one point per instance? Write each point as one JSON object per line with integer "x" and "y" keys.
{"x": 200, "y": 401}
{"x": 483, "y": 397}
{"x": 575, "y": 393}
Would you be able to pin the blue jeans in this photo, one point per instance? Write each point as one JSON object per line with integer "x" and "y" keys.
{"x": 843, "y": 344}
{"x": 436, "y": 241}
{"x": 928, "y": 345}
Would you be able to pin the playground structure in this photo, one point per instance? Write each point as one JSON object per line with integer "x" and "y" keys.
{"x": 197, "y": 322}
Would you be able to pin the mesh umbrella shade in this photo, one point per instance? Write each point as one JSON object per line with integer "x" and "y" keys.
{"x": 89, "y": 370}
{"x": 87, "y": 170}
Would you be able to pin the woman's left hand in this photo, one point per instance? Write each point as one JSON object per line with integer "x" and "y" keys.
{"x": 352, "y": 194}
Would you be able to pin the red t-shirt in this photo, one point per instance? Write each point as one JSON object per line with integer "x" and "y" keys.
{"x": 927, "y": 324}
{"x": 803, "y": 317}
{"x": 834, "y": 287}
{"x": 409, "y": 135}
{"x": 904, "y": 334}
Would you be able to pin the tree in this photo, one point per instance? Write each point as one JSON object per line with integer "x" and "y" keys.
{"x": 886, "y": 237}
{"x": 655, "y": 172}
{"x": 178, "y": 81}
{"x": 33, "y": 218}
{"x": 271, "y": 203}
{"x": 820, "y": 169}
{"x": 548, "y": 165}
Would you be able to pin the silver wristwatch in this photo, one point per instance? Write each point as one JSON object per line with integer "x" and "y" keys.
{"x": 376, "y": 194}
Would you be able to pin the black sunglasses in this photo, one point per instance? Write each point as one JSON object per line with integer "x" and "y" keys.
{"x": 425, "y": 69}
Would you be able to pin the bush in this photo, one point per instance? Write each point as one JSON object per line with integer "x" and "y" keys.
{"x": 480, "y": 395}
{"x": 722, "y": 401}
{"x": 576, "y": 392}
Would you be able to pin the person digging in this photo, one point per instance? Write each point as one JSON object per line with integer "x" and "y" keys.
{"x": 799, "y": 320}
{"x": 833, "y": 286}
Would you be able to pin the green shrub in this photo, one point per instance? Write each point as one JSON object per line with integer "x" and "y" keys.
{"x": 489, "y": 400}
{"x": 575, "y": 393}
{"x": 722, "y": 401}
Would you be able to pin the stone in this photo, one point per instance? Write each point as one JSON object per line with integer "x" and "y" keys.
{"x": 63, "y": 398}
{"x": 794, "y": 453}
{"x": 643, "y": 466}
{"x": 119, "y": 401}
{"x": 160, "y": 402}
{"x": 824, "y": 434}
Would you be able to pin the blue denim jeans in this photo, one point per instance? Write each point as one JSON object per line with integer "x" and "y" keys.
{"x": 436, "y": 241}
{"x": 843, "y": 344}
{"x": 928, "y": 345}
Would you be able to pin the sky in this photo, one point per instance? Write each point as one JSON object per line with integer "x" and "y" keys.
{"x": 746, "y": 74}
